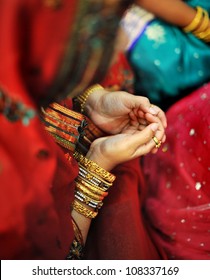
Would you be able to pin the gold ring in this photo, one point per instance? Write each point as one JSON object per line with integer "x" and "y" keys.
{"x": 157, "y": 142}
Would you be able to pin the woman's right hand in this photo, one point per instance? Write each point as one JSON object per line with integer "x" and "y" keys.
{"x": 131, "y": 143}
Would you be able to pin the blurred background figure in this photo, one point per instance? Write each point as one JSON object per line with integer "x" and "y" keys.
{"x": 168, "y": 47}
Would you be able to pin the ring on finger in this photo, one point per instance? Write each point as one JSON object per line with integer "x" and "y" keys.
{"x": 157, "y": 142}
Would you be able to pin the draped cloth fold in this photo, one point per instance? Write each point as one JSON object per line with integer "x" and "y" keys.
{"x": 177, "y": 204}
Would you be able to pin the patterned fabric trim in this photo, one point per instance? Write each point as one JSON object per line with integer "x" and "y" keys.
{"x": 71, "y": 130}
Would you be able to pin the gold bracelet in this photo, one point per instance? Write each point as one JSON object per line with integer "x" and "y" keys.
{"x": 87, "y": 192}
{"x": 196, "y": 21}
{"x": 204, "y": 24}
{"x": 94, "y": 167}
{"x": 93, "y": 178}
{"x": 82, "y": 98}
{"x": 86, "y": 200}
{"x": 81, "y": 209}
{"x": 205, "y": 35}
{"x": 93, "y": 188}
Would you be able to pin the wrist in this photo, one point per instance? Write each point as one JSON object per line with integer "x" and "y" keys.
{"x": 84, "y": 99}
{"x": 103, "y": 161}
{"x": 199, "y": 26}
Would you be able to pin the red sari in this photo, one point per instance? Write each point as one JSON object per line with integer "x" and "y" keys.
{"x": 37, "y": 182}
{"x": 177, "y": 206}
{"x": 35, "y": 178}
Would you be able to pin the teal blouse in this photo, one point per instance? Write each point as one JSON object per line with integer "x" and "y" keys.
{"x": 168, "y": 62}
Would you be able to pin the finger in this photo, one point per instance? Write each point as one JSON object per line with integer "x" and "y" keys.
{"x": 160, "y": 134}
{"x": 141, "y": 102}
{"x": 160, "y": 114}
{"x": 141, "y": 127}
{"x": 139, "y": 122}
{"x": 163, "y": 139}
{"x": 141, "y": 138}
{"x": 157, "y": 111}
{"x": 144, "y": 104}
{"x": 144, "y": 149}
{"x": 151, "y": 118}
{"x": 158, "y": 139}
{"x": 142, "y": 121}
{"x": 154, "y": 150}
{"x": 140, "y": 114}
{"x": 161, "y": 128}
{"x": 133, "y": 116}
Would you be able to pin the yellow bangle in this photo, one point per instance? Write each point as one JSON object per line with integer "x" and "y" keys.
{"x": 204, "y": 24}
{"x": 81, "y": 209}
{"x": 82, "y": 98}
{"x": 196, "y": 21}
{"x": 204, "y": 35}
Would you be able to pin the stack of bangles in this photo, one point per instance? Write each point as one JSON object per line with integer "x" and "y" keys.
{"x": 199, "y": 26}
{"x": 92, "y": 186}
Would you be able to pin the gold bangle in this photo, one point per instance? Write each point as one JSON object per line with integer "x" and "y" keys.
{"x": 195, "y": 22}
{"x": 86, "y": 200}
{"x": 94, "y": 177}
{"x": 93, "y": 188}
{"x": 94, "y": 167}
{"x": 81, "y": 209}
{"x": 204, "y": 24}
{"x": 203, "y": 35}
{"x": 87, "y": 192}
{"x": 82, "y": 98}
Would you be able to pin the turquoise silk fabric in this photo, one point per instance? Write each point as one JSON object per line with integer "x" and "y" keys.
{"x": 167, "y": 62}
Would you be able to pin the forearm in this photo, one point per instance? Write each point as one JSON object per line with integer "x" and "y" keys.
{"x": 83, "y": 223}
{"x": 91, "y": 187}
{"x": 172, "y": 11}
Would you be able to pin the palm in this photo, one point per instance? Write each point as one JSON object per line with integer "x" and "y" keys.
{"x": 117, "y": 115}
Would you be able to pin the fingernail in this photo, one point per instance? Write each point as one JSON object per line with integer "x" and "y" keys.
{"x": 153, "y": 111}
{"x": 154, "y": 126}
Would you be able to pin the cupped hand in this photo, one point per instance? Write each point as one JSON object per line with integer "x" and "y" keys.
{"x": 114, "y": 111}
{"x": 129, "y": 144}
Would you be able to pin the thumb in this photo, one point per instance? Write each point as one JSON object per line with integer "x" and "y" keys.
{"x": 141, "y": 141}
